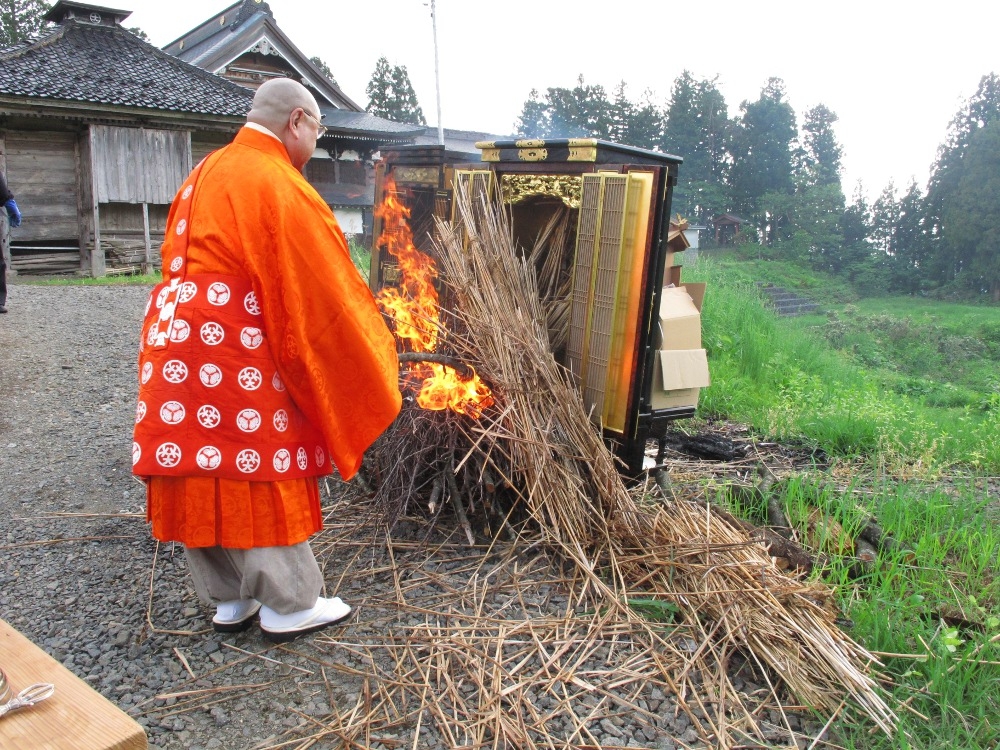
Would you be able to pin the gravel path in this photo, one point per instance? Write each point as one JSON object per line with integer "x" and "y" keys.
{"x": 78, "y": 560}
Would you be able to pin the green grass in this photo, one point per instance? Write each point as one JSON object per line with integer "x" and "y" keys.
{"x": 881, "y": 387}
{"x": 903, "y": 395}
{"x": 116, "y": 280}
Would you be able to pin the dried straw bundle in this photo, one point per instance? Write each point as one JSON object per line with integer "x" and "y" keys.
{"x": 677, "y": 551}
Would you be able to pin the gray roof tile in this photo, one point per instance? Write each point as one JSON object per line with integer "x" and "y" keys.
{"x": 109, "y": 65}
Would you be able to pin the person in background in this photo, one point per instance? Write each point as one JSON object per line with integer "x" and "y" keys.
{"x": 13, "y": 217}
{"x": 263, "y": 356}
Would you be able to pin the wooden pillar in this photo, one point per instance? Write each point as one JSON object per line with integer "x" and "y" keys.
{"x": 147, "y": 266}
{"x": 97, "y": 263}
{"x": 4, "y": 224}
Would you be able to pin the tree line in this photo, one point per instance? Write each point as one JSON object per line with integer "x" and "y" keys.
{"x": 782, "y": 177}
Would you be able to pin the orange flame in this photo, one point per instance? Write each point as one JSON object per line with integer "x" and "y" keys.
{"x": 413, "y": 307}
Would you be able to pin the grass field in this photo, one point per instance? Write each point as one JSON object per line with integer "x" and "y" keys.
{"x": 903, "y": 394}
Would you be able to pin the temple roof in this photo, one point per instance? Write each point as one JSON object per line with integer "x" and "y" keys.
{"x": 347, "y": 123}
{"x": 91, "y": 58}
{"x": 249, "y": 25}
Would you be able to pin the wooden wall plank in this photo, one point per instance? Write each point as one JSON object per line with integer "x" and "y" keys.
{"x": 139, "y": 165}
{"x": 42, "y": 172}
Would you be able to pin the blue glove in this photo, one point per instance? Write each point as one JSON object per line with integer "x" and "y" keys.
{"x": 13, "y": 213}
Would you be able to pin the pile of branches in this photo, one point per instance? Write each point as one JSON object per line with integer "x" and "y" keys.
{"x": 628, "y": 545}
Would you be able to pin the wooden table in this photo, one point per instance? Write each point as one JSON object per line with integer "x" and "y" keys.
{"x": 76, "y": 717}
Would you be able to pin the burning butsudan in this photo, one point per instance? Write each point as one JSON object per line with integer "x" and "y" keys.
{"x": 414, "y": 307}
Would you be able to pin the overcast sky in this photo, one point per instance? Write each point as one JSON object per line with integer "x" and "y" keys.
{"x": 895, "y": 72}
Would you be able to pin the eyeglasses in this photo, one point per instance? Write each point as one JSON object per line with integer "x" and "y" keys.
{"x": 320, "y": 127}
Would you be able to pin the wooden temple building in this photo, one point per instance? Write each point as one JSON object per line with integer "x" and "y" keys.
{"x": 99, "y": 128}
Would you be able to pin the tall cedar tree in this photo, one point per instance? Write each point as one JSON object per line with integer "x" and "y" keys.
{"x": 822, "y": 153}
{"x": 695, "y": 127}
{"x": 816, "y": 210}
{"x": 581, "y": 112}
{"x": 391, "y": 95}
{"x": 763, "y": 138}
{"x": 324, "y": 68}
{"x": 533, "y": 122}
{"x": 951, "y": 255}
{"x": 971, "y": 213}
{"x": 20, "y": 19}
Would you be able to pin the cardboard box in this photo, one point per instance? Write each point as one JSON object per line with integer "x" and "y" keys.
{"x": 680, "y": 368}
{"x": 680, "y": 320}
{"x": 678, "y": 377}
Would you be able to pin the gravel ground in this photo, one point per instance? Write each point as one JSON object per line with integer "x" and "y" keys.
{"x": 78, "y": 559}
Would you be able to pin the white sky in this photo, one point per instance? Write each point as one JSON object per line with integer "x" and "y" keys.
{"x": 895, "y": 72}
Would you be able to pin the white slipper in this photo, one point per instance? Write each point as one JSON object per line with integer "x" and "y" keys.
{"x": 282, "y": 628}
{"x": 234, "y": 616}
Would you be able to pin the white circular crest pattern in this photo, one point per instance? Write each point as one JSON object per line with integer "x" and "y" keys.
{"x": 248, "y": 420}
{"x": 147, "y": 372}
{"x": 140, "y": 411}
{"x": 173, "y": 412}
{"x": 212, "y": 333}
{"x": 210, "y": 375}
{"x": 167, "y": 311}
{"x": 188, "y": 290}
{"x": 282, "y": 460}
{"x": 209, "y": 416}
{"x": 280, "y": 420}
{"x": 320, "y": 456}
{"x": 248, "y": 461}
{"x": 209, "y": 457}
{"x": 175, "y": 371}
{"x": 176, "y": 263}
{"x": 302, "y": 458}
{"x": 136, "y": 453}
{"x": 249, "y": 378}
{"x": 277, "y": 384}
{"x": 151, "y": 336}
{"x": 251, "y": 337}
{"x": 218, "y": 293}
{"x": 179, "y": 331}
{"x": 181, "y": 226}
{"x": 187, "y": 192}
{"x": 251, "y": 304}
{"x": 168, "y": 455}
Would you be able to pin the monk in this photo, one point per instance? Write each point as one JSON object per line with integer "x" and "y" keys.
{"x": 263, "y": 359}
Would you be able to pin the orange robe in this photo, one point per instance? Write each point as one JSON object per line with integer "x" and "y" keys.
{"x": 255, "y": 216}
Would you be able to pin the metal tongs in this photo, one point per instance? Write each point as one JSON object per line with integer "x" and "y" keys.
{"x": 27, "y": 697}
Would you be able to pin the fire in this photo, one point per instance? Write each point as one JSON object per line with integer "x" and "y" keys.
{"x": 413, "y": 307}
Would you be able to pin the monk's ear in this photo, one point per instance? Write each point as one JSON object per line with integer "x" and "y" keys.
{"x": 295, "y": 118}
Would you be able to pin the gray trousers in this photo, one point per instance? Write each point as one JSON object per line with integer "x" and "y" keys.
{"x": 286, "y": 579}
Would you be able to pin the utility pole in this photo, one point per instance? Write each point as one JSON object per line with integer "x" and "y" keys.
{"x": 437, "y": 76}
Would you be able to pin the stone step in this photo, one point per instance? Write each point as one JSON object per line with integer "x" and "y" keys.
{"x": 784, "y": 302}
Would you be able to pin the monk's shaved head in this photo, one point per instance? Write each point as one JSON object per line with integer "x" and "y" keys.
{"x": 276, "y": 98}
{"x": 287, "y": 109}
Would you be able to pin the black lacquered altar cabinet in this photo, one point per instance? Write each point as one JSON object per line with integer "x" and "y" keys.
{"x": 596, "y": 216}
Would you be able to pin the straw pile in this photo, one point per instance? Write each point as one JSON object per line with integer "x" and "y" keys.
{"x": 627, "y": 548}
{"x": 661, "y": 595}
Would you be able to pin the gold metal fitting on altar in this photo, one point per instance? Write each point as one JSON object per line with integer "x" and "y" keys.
{"x": 581, "y": 142}
{"x": 490, "y": 154}
{"x": 582, "y": 153}
{"x": 419, "y": 175}
{"x": 533, "y": 154}
{"x": 529, "y": 143}
{"x": 486, "y": 144}
{"x": 516, "y": 188}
